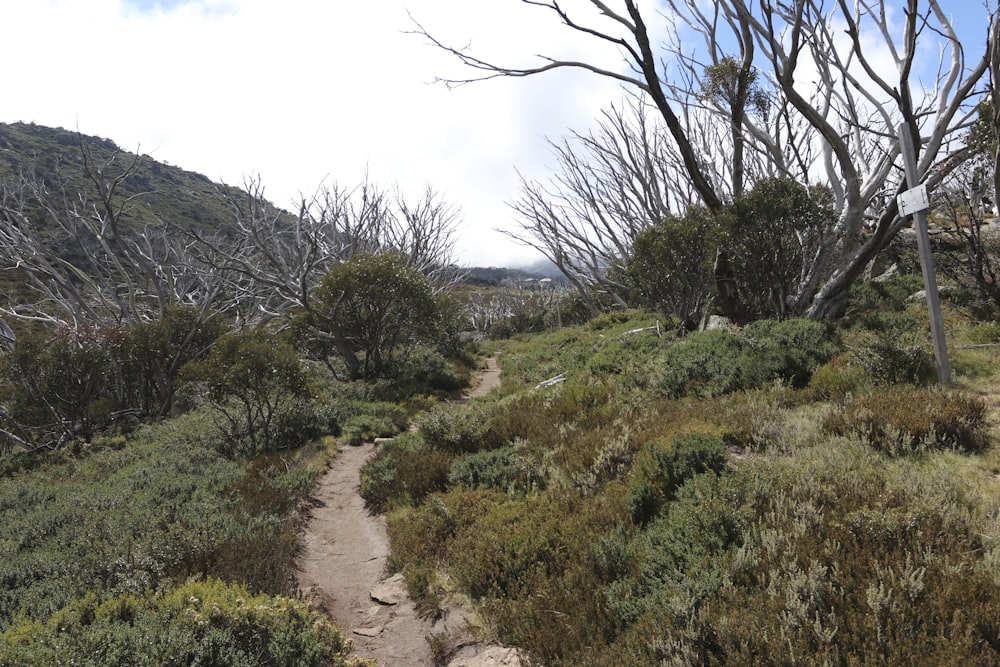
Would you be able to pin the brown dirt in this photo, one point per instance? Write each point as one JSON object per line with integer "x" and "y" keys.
{"x": 344, "y": 550}
{"x": 487, "y": 379}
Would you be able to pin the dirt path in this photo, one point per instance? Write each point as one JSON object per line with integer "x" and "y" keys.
{"x": 342, "y": 566}
{"x": 487, "y": 379}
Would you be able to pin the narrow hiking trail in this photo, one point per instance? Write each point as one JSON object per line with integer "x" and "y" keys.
{"x": 342, "y": 566}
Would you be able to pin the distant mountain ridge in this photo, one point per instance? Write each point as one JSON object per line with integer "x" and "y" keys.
{"x": 167, "y": 192}
{"x": 162, "y": 191}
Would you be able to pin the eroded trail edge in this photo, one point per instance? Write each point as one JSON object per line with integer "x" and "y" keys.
{"x": 342, "y": 567}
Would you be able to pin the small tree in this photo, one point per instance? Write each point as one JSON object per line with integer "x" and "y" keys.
{"x": 777, "y": 230}
{"x": 254, "y": 382}
{"x": 671, "y": 266}
{"x": 377, "y": 307}
{"x": 151, "y": 354}
{"x": 56, "y": 388}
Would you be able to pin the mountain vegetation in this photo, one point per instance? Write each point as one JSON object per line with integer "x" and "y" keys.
{"x": 718, "y": 440}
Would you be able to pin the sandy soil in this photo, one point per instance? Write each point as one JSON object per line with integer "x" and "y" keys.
{"x": 344, "y": 550}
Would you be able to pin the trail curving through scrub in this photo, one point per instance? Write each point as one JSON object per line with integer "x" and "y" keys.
{"x": 341, "y": 566}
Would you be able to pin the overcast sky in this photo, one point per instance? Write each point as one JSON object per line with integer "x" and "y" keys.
{"x": 302, "y": 92}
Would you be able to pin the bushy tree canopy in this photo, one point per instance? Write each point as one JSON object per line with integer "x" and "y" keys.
{"x": 376, "y": 307}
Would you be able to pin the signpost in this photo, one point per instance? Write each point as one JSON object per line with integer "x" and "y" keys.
{"x": 915, "y": 202}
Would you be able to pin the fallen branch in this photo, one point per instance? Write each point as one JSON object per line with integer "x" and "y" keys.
{"x": 655, "y": 327}
{"x": 551, "y": 381}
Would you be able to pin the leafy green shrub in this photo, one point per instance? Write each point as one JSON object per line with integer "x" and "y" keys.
{"x": 870, "y": 300}
{"x": 907, "y": 419}
{"x": 663, "y": 470}
{"x": 705, "y": 364}
{"x": 788, "y": 349}
{"x": 985, "y": 333}
{"x": 343, "y": 414}
{"x": 501, "y": 469}
{"x": 627, "y": 356}
{"x": 705, "y": 520}
{"x": 59, "y": 388}
{"x": 455, "y": 429}
{"x": 404, "y": 469}
{"x": 150, "y": 354}
{"x": 427, "y": 371}
{"x": 366, "y": 427}
{"x": 377, "y": 308}
{"x": 530, "y": 562}
{"x": 893, "y": 359}
{"x": 839, "y": 379}
{"x": 671, "y": 266}
{"x": 613, "y": 318}
{"x": 198, "y": 623}
{"x": 255, "y": 384}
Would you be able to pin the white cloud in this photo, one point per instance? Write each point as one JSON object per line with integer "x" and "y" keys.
{"x": 304, "y": 90}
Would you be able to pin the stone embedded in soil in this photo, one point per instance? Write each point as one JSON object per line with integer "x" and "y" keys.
{"x": 490, "y": 656}
{"x": 392, "y": 591}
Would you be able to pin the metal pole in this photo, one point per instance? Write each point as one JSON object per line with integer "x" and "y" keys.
{"x": 926, "y": 260}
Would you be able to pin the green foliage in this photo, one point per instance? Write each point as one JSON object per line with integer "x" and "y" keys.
{"x": 893, "y": 359}
{"x": 871, "y": 300}
{"x": 671, "y": 266}
{"x": 455, "y": 428}
{"x": 627, "y": 356}
{"x": 427, "y": 371}
{"x": 74, "y": 382}
{"x": 787, "y": 349}
{"x": 150, "y": 355}
{"x": 58, "y": 388}
{"x": 378, "y": 308}
{"x": 256, "y": 386}
{"x": 839, "y": 379}
{"x": 704, "y": 522}
{"x": 405, "y": 469}
{"x": 904, "y": 419}
{"x": 503, "y": 469}
{"x": 730, "y": 84}
{"x": 197, "y": 623}
{"x": 139, "y": 515}
{"x": 529, "y": 562}
{"x": 661, "y": 470}
{"x": 712, "y": 363}
{"x": 985, "y": 333}
{"x": 775, "y": 231}
{"x": 706, "y": 364}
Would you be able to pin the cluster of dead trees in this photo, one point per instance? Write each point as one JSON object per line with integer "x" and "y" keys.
{"x": 724, "y": 95}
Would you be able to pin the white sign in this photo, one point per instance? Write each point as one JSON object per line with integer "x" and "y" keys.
{"x": 913, "y": 200}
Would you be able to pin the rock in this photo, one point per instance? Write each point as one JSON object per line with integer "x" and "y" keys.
{"x": 390, "y": 591}
{"x": 891, "y": 272}
{"x": 718, "y": 322}
{"x": 489, "y": 656}
{"x": 943, "y": 290}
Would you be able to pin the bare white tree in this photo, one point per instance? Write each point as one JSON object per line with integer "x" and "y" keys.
{"x": 609, "y": 184}
{"x": 836, "y": 108}
{"x": 79, "y": 262}
{"x": 276, "y": 258}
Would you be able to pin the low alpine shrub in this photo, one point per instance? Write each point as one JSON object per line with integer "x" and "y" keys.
{"x": 198, "y": 623}
{"x": 900, "y": 420}
{"x": 662, "y": 470}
